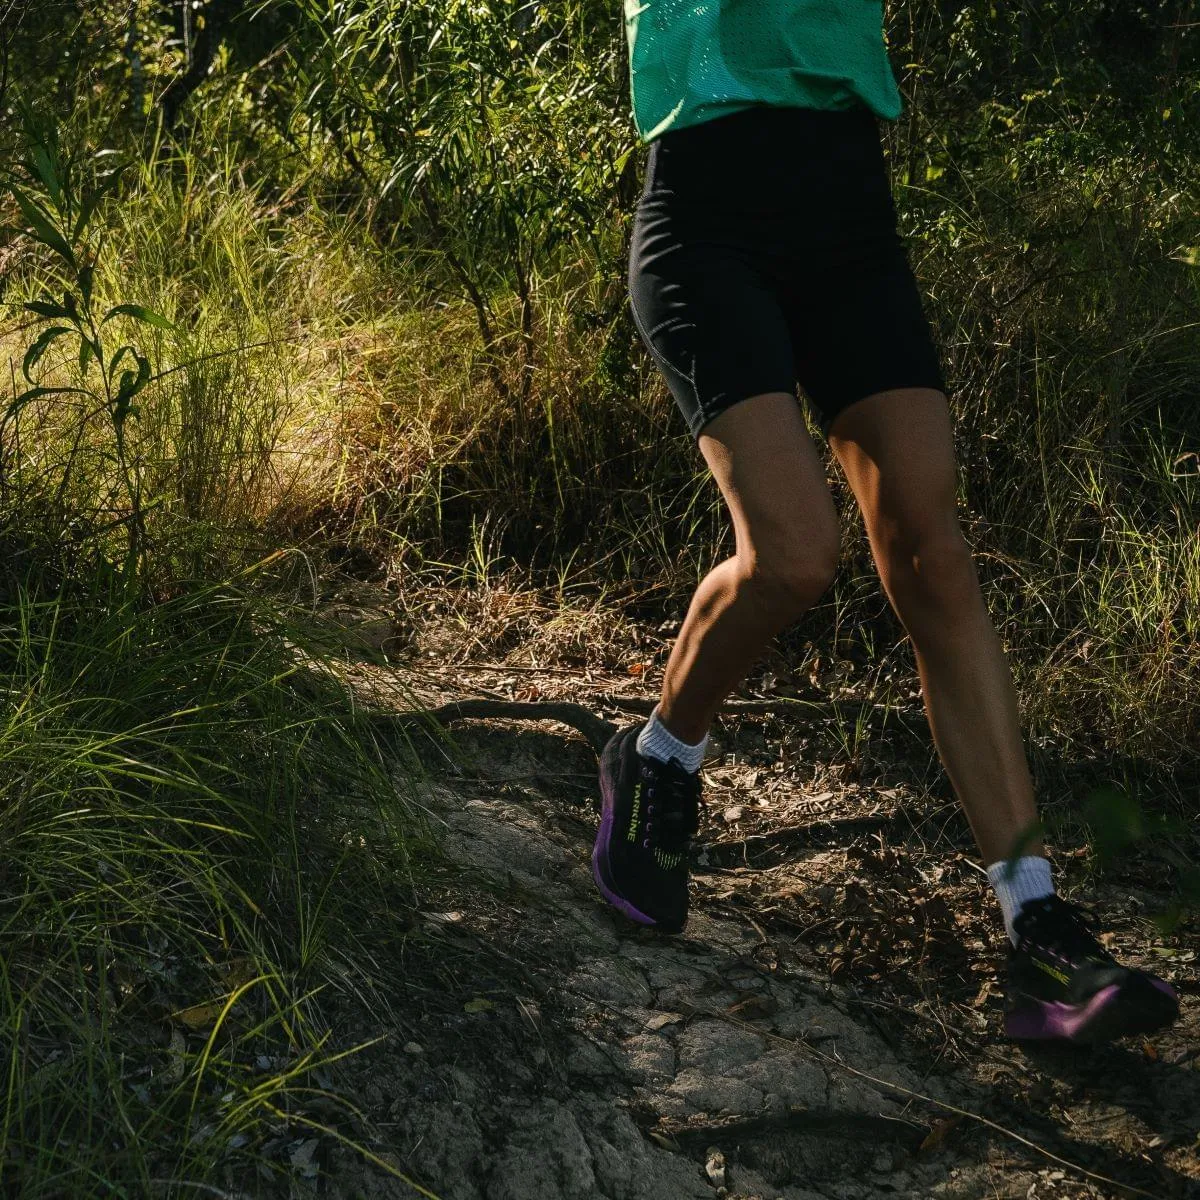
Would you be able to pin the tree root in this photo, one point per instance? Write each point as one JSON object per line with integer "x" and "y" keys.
{"x": 596, "y": 729}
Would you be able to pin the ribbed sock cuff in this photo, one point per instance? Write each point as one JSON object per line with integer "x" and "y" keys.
{"x": 1029, "y": 880}
{"x": 657, "y": 741}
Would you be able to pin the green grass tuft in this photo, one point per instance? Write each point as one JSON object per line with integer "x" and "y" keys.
{"x": 186, "y": 811}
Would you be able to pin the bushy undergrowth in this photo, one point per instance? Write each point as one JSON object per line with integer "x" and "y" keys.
{"x": 199, "y": 829}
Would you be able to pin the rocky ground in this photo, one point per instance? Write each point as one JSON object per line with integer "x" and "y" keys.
{"x": 828, "y": 1025}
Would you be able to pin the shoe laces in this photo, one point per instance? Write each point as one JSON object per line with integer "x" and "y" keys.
{"x": 1064, "y": 929}
{"x": 673, "y": 802}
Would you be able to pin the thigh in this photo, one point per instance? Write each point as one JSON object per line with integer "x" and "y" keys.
{"x": 773, "y": 481}
{"x": 897, "y": 451}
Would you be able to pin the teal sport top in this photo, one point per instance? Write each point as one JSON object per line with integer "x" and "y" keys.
{"x": 690, "y": 62}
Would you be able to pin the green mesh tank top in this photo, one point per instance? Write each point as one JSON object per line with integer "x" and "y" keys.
{"x": 690, "y": 62}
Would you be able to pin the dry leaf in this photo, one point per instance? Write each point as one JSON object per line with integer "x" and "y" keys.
{"x": 937, "y": 1135}
{"x": 301, "y": 1157}
{"x": 988, "y": 989}
{"x": 237, "y": 972}
{"x": 660, "y": 1020}
{"x": 200, "y": 1016}
{"x": 752, "y": 1007}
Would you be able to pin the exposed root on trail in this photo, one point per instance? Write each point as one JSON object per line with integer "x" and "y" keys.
{"x": 596, "y": 729}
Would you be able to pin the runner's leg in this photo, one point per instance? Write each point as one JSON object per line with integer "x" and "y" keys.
{"x": 786, "y": 551}
{"x": 897, "y": 451}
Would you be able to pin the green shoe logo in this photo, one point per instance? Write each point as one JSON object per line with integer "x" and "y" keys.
{"x": 1053, "y": 972}
{"x": 637, "y": 808}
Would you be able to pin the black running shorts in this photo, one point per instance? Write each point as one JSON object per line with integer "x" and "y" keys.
{"x": 765, "y": 255}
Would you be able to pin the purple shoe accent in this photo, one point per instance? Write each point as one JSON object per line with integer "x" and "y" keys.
{"x": 600, "y": 861}
{"x": 1164, "y": 987}
{"x": 1043, "y": 1019}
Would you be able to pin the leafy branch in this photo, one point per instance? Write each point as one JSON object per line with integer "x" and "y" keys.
{"x": 58, "y": 197}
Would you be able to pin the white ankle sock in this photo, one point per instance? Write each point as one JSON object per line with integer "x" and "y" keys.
{"x": 1029, "y": 880}
{"x": 657, "y": 741}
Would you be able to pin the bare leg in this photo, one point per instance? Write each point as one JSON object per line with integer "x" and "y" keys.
{"x": 786, "y": 531}
{"x": 897, "y": 450}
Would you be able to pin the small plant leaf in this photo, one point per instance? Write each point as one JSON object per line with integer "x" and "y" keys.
{"x": 139, "y": 313}
{"x": 200, "y": 1016}
{"x": 115, "y": 361}
{"x": 87, "y": 351}
{"x": 47, "y": 308}
{"x": 42, "y": 224}
{"x": 1116, "y": 820}
{"x": 107, "y": 184}
{"x": 36, "y": 393}
{"x": 45, "y": 340}
{"x": 131, "y": 383}
{"x": 937, "y": 1135}
{"x": 1166, "y": 921}
{"x": 46, "y": 169}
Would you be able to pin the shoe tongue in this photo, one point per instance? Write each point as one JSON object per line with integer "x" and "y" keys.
{"x": 1053, "y": 921}
{"x": 1033, "y": 911}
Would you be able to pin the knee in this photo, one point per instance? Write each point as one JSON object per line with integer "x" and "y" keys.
{"x": 785, "y": 583}
{"x": 934, "y": 571}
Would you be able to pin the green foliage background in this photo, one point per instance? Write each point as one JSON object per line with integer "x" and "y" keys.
{"x": 437, "y": 197}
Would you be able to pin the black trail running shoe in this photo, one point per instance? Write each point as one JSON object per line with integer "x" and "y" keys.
{"x": 1063, "y": 985}
{"x": 649, "y": 812}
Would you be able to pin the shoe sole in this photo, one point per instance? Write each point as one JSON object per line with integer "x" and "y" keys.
{"x": 601, "y": 868}
{"x": 1142, "y": 1005}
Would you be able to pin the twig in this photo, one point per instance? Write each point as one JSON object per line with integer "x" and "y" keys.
{"x": 645, "y": 704}
{"x": 721, "y": 853}
{"x": 596, "y": 729}
{"x": 866, "y": 1125}
{"x": 501, "y": 668}
{"x": 524, "y": 775}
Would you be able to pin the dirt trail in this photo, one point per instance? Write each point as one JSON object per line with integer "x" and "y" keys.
{"x": 560, "y": 1053}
